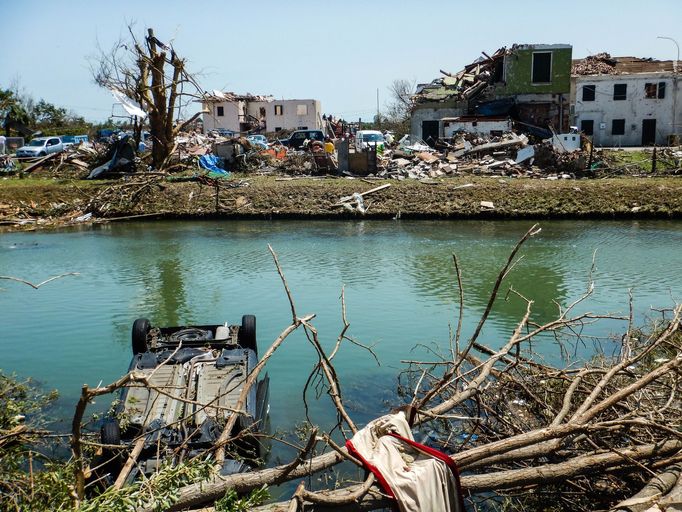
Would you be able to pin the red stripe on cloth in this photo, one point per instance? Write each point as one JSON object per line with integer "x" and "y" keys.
{"x": 437, "y": 454}
{"x": 375, "y": 471}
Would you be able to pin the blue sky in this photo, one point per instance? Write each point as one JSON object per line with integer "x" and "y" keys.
{"x": 339, "y": 53}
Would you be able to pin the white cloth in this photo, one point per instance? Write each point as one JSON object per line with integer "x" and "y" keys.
{"x": 419, "y": 481}
{"x": 128, "y": 105}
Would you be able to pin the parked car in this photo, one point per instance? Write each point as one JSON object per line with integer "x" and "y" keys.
{"x": 223, "y": 132}
{"x": 73, "y": 140}
{"x": 367, "y": 138}
{"x": 41, "y": 146}
{"x": 205, "y": 366}
{"x": 298, "y": 137}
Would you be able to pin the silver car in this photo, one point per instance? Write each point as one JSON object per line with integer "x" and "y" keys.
{"x": 41, "y": 146}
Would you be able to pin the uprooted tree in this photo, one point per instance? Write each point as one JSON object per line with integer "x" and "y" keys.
{"x": 583, "y": 437}
{"x": 150, "y": 73}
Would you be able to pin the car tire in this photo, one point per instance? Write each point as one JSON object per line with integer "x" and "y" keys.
{"x": 110, "y": 433}
{"x": 42, "y": 153}
{"x": 247, "y": 333}
{"x": 141, "y": 328}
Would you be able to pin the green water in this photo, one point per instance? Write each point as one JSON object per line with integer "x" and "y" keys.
{"x": 399, "y": 285}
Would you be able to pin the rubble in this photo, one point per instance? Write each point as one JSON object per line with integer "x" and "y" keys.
{"x": 217, "y": 157}
{"x": 599, "y": 64}
{"x": 465, "y": 84}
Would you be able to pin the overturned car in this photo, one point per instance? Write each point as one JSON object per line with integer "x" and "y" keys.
{"x": 194, "y": 377}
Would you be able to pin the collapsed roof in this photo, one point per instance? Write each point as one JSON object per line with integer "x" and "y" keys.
{"x": 220, "y": 96}
{"x": 465, "y": 84}
{"x": 604, "y": 64}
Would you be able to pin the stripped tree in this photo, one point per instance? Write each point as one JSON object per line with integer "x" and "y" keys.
{"x": 150, "y": 73}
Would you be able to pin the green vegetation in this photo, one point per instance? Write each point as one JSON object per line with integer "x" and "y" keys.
{"x": 630, "y": 161}
{"x": 29, "y": 480}
{"x": 231, "y": 502}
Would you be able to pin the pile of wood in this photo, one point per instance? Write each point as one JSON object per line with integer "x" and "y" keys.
{"x": 465, "y": 84}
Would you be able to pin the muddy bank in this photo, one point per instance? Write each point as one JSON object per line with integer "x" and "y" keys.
{"x": 27, "y": 204}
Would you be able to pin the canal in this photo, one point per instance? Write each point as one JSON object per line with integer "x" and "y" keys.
{"x": 399, "y": 280}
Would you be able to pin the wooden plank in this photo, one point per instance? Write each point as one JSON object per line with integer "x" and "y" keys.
{"x": 40, "y": 162}
{"x": 346, "y": 199}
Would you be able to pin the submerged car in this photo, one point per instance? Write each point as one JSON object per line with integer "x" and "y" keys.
{"x": 195, "y": 375}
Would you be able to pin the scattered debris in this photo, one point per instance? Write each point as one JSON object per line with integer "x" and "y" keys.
{"x": 359, "y": 207}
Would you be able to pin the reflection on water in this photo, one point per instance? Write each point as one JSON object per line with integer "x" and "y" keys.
{"x": 399, "y": 282}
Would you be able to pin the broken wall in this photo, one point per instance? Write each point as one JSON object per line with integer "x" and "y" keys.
{"x": 477, "y": 125}
{"x": 518, "y": 70}
{"x": 435, "y": 112}
{"x": 288, "y": 114}
{"x": 229, "y": 120}
{"x": 544, "y": 110}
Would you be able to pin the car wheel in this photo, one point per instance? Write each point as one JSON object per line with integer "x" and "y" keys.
{"x": 247, "y": 333}
{"x": 141, "y": 328}
{"x": 110, "y": 433}
{"x": 42, "y": 153}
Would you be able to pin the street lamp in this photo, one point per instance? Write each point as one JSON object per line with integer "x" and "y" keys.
{"x": 675, "y": 86}
{"x": 678, "y": 51}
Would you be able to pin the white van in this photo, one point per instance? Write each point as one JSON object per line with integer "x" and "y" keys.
{"x": 366, "y": 138}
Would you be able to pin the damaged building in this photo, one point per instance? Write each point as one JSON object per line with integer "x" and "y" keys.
{"x": 252, "y": 113}
{"x": 528, "y": 83}
{"x": 626, "y": 101}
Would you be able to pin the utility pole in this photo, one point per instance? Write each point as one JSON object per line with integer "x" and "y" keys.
{"x": 378, "y": 113}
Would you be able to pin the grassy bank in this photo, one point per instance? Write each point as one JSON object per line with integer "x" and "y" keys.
{"x": 55, "y": 202}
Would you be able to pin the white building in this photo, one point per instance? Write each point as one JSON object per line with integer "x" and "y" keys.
{"x": 481, "y": 125}
{"x": 626, "y": 101}
{"x": 243, "y": 113}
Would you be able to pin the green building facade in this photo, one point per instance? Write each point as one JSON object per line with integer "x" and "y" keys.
{"x": 536, "y": 69}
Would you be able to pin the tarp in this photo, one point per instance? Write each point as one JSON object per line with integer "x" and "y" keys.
{"x": 419, "y": 478}
{"x": 211, "y": 162}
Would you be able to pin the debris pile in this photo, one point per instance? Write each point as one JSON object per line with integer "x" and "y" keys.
{"x": 506, "y": 155}
{"x": 465, "y": 84}
{"x": 214, "y": 156}
{"x": 599, "y": 64}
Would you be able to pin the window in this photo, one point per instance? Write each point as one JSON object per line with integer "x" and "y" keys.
{"x": 618, "y": 127}
{"x": 301, "y": 110}
{"x": 220, "y": 111}
{"x": 620, "y": 91}
{"x": 542, "y": 68}
{"x": 589, "y": 92}
{"x": 587, "y": 126}
{"x": 654, "y": 91}
{"x": 278, "y": 129}
{"x": 279, "y": 110}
